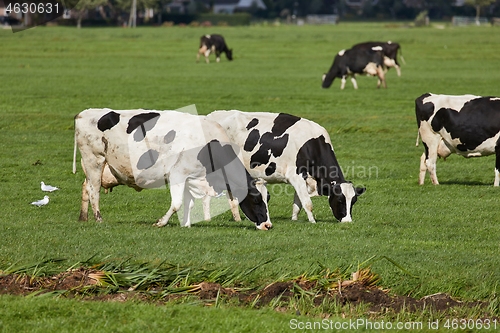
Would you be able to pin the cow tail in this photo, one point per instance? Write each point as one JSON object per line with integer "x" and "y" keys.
{"x": 418, "y": 137}
{"x": 74, "y": 156}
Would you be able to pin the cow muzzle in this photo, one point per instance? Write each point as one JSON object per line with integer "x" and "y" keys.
{"x": 265, "y": 226}
{"x": 346, "y": 219}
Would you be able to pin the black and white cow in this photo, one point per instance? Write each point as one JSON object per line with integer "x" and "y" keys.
{"x": 466, "y": 125}
{"x": 282, "y": 148}
{"x": 213, "y": 43}
{"x": 353, "y": 61}
{"x": 389, "y": 49}
{"x": 147, "y": 149}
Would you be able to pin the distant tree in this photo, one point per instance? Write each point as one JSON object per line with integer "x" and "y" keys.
{"x": 81, "y": 8}
{"x": 478, "y": 4}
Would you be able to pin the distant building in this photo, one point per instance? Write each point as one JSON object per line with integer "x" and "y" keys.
{"x": 218, "y": 6}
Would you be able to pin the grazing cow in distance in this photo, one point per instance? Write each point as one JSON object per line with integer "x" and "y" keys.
{"x": 353, "y": 61}
{"x": 147, "y": 149}
{"x": 213, "y": 43}
{"x": 466, "y": 125}
{"x": 389, "y": 49}
{"x": 282, "y": 148}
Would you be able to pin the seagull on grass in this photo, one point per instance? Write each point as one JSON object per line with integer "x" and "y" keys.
{"x": 48, "y": 188}
{"x": 42, "y": 202}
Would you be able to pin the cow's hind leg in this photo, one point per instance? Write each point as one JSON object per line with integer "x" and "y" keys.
{"x": 297, "y": 206}
{"x": 233, "y": 204}
{"x": 381, "y": 77}
{"x": 84, "y": 211}
{"x": 206, "y": 207}
{"x": 177, "y": 194}
{"x": 93, "y": 168}
{"x": 354, "y": 82}
{"x": 301, "y": 191}
{"x": 423, "y": 170}
{"x": 188, "y": 206}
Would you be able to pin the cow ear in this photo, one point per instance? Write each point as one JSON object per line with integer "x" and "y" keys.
{"x": 359, "y": 190}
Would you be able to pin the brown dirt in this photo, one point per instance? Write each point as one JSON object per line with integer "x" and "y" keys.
{"x": 354, "y": 293}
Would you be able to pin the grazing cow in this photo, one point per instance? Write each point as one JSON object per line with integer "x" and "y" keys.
{"x": 146, "y": 149}
{"x": 466, "y": 125}
{"x": 213, "y": 43}
{"x": 356, "y": 61}
{"x": 389, "y": 50}
{"x": 282, "y": 148}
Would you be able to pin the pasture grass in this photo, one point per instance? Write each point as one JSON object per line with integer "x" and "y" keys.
{"x": 446, "y": 236}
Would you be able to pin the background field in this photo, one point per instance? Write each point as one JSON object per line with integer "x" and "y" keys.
{"x": 446, "y": 236}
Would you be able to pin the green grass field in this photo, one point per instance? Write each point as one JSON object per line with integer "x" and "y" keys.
{"x": 446, "y": 236}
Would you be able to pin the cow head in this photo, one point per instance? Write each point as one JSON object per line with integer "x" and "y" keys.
{"x": 327, "y": 79}
{"x": 229, "y": 54}
{"x": 341, "y": 198}
{"x": 254, "y": 206}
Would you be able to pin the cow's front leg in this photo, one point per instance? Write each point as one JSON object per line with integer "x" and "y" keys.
{"x": 342, "y": 82}
{"x": 497, "y": 165}
{"x": 176, "y": 193}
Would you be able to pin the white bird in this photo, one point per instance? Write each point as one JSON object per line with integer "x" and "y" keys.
{"x": 42, "y": 202}
{"x": 48, "y": 188}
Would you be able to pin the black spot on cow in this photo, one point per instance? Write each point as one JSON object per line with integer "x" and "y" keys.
{"x": 423, "y": 111}
{"x": 143, "y": 121}
{"x": 317, "y": 159}
{"x": 252, "y": 140}
{"x": 477, "y": 121}
{"x": 147, "y": 160}
{"x": 252, "y": 123}
{"x": 214, "y": 156}
{"x": 169, "y": 137}
{"x": 283, "y": 122}
{"x": 271, "y": 143}
{"x": 271, "y": 168}
{"x": 108, "y": 121}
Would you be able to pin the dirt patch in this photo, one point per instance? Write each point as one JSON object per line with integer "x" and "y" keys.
{"x": 85, "y": 283}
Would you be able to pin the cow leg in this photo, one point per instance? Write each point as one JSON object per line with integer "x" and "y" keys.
{"x": 398, "y": 69}
{"x": 217, "y": 56}
{"x": 497, "y": 165}
{"x": 233, "y": 204}
{"x": 84, "y": 211}
{"x": 206, "y": 207}
{"x": 297, "y": 206}
{"x": 207, "y": 53}
{"x": 354, "y": 82}
{"x": 177, "y": 194}
{"x": 188, "y": 206}
{"x": 93, "y": 167}
{"x": 423, "y": 170}
{"x": 342, "y": 84}
{"x": 381, "y": 77}
{"x": 431, "y": 160}
{"x": 301, "y": 191}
